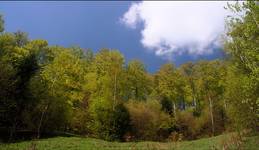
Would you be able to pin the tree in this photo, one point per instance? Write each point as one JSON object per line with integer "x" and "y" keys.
{"x": 187, "y": 71}
{"x": 22, "y": 63}
{"x": 138, "y": 82}
{"x": 21, "y": 38}
{"x": 1, "y": 24}
{"x": 108, "y": 66}
{"x": 242, "y": 46}
{"x": 7, "y": 86}
{"x": 106, "y": 82}
{"x": 210, "y": 88}
{"x": 166, "y": 85}
{"x": 64, "y": 81}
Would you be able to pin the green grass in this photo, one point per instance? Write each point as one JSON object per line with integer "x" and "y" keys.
{"x": 77, "y": 143}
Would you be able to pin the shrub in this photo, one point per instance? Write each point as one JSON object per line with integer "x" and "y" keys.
{"x": 109, "y": 123}
{"x": 192, "y": 127}
{"x": 80, "y": 121}
{"x": 147, "y": 119}
{"x": 121, "y": 121}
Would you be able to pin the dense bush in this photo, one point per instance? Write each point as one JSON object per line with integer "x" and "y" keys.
{"x": 147, "y": 119}
{"x": 192, "y": 127}
{"x": 110, "y": 123}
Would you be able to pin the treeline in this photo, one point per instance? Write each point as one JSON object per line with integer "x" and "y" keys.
{"x": 51, "y": 88}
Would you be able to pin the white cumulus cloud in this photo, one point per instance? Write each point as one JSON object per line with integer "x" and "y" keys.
{"x": 174, "y": 27}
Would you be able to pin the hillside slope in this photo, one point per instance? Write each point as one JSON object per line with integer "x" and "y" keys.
{"x": 76, "y": 143}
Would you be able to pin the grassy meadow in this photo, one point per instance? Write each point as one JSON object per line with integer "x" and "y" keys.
{"x": 79, "y": 143}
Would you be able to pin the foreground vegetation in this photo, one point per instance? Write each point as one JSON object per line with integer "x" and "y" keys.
{"x": 77, "y": 143}
{"x": 51, "y": 88}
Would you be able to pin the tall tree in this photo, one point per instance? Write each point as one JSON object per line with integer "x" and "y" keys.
{"x": 210, "y": 87}
{"x": 21, "y": 38}
{"x": 106, "y": 81}
{"x": 64, "y": 81}
{"x": 1, "y": 24}
{"x": 166, "y": 85}
{"x": 242, "y": 45}
{"x": 138, "y": 82}
{"x": 187, "y": 70}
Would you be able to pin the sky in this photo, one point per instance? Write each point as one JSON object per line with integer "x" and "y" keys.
{"x": 153, "y": 32}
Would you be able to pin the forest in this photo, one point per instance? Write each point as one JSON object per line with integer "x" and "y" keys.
{"x": 46, "y": 89}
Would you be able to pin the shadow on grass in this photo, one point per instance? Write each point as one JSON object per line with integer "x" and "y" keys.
{"x": 26, "y": 135}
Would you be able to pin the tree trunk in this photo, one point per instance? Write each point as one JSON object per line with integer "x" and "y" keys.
{"x": 194, "y": 101}
{"x": 115, "y": 91}
{"x": 45, "y": 110}
{"x": 12, "y": 130}
{"x": 41, "y": 119}
{"x": 194, "y": 97}
{"x": 174, "y": 107}
{"x": 211, "y": 115}
{"x": 183, "y": 103}
{"x": 225, "y": 104}
{"x": 136, "y": 93}
{"x": 255, "y": 20}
